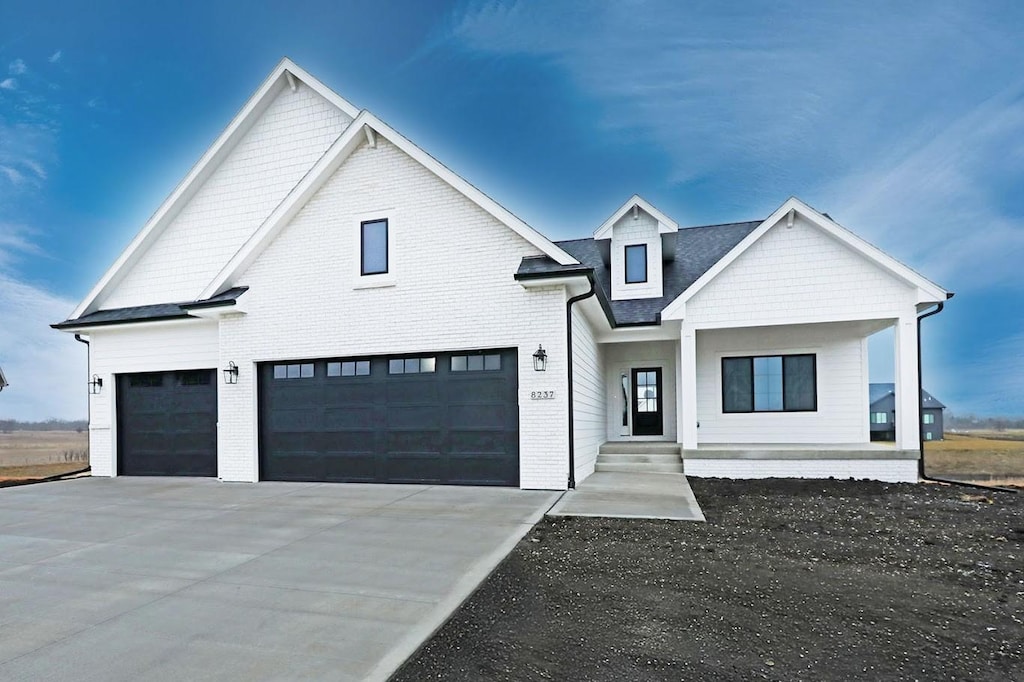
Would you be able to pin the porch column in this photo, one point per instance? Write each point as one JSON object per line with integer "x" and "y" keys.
{"x": 908, "y": 392}
{"x": 687, "y": 427}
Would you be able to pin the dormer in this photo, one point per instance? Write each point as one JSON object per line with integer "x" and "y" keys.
{"x": 631, "y": 242}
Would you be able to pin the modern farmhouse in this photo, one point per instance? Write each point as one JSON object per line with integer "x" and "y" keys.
{"x": 321, "y": 300}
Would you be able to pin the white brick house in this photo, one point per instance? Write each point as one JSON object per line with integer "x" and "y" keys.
{"x": 319, "y": 299}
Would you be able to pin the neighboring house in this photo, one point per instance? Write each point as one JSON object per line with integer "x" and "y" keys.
{"x": 883, "y": 413}
{"x": 375, "y": 317}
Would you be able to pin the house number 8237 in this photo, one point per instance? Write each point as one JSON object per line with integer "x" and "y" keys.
{"x": 542, "y": 395}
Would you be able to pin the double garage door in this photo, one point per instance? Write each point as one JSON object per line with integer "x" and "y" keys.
{"x": 431, "y": 418}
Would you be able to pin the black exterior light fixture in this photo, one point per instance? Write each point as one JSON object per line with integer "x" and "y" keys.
{"x": 95, "y": 384}
{"x": 540, "y": 359}
{"x": 231, "y": 373}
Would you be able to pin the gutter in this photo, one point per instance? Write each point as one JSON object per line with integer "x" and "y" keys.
{"x": 568, "y": 346}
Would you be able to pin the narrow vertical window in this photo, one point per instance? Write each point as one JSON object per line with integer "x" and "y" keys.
{"x": 374, "y": 247}
{"x": 636, "y": 264}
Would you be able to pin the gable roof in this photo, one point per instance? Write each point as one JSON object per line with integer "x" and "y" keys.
{"x": 880, "y": 391}
{"x": 665, "y": 224}
{"x": 283, "y": 76}
{"x": 364, "y": 129}
{"x": 929, "y": 292}
{"x": 150, "y": 313}
{"x": 696, "y": 250}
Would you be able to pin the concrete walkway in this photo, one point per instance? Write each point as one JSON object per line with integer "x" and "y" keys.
{"x": 193, "y": 579}
{"x": 630, "y": 495}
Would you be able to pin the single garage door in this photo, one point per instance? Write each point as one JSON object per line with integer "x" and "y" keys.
{"x": 431, "y": 418}
{"x": 167, "y": 423}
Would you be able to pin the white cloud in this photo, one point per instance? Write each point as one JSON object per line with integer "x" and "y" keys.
{"x": 13, "y": 175}
{"x": 8, "y": 84}
{"x": 17, "y": 67}
{"x": 55, "y": 57}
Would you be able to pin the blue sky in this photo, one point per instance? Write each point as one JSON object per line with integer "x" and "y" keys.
{"x": 904, "y": 121}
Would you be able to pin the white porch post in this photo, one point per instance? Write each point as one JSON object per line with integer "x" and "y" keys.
{"x": 908, "y": 392}
{"x": 687, "y": 426}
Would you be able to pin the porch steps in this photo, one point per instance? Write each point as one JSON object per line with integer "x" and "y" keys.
{"x": 640, "y": 457}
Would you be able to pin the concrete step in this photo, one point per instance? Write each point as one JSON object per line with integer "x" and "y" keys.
{"x": 618, "y": 447}
{"x": 642, "y": 468}
{"x": 621, "y": 458}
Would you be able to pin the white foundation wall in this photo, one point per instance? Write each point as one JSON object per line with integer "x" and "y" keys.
{"x": 156, "y": 347}
{"x": 283, "y": 143}
{"x": 889, "y": 470}
{"x": 795, "y": 275}
{"x": 450, "y": 286}
{"x": 842, "y": 385}
{"x": 620, "y": 358}
{"x": 589, "y": 406}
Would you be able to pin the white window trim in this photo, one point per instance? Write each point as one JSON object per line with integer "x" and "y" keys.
{"x": 384, "y": 279}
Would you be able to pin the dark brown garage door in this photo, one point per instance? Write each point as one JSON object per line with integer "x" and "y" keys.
{"x": 430, "y": 418}
{"x": 167, "y": 423}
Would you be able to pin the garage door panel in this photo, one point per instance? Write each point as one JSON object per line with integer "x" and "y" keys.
{"x": 424, "y": 426}
{"x": 167, "y": 423}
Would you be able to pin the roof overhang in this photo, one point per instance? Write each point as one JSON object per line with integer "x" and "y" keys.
{"x": 665, "y": 224}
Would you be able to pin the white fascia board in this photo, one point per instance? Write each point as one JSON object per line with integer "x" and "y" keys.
{"x": 927, "y": 290}
{"x": 206, "y": 165}
{"x": 665, "y": 224}
{"x": 88, "y": 330}
{"x": 340, "y": 149}
{"x": 462, "y": 186}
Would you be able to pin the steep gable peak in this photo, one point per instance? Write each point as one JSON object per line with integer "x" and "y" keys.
{"x": 635, "y": 204}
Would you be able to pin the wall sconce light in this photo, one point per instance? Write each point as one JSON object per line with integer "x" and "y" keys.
{"x": 540, "y": 359}
{"x": 95, "y": 384}
{"x": 231, "y": 374}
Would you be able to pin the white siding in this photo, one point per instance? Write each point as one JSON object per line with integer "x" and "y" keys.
{"x": 143, "y": 348}
{"x": 841, "y": 416}
{"x": 451, "y": 286}
{"x": 640, "y": 230}
{"x": 588, "y": 396}
{"x": 283, "y": 143}
{"x": 794, "y": 275}
{"x": 889, "y": 470}
{"x": 620, "y": 358}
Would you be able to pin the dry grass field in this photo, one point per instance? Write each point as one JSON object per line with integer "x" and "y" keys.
{"x": 38, "y": 454}
{"x": 981, "y": 455}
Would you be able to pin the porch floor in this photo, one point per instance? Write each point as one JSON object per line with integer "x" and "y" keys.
{"x": 631, "y": 496}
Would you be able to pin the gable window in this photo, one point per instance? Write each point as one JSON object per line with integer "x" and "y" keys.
{"x": 373, "y": 241}
{"x": 772, "y": 383}
{"x": 636, "y": 264}
{"x": 879, "y": 417}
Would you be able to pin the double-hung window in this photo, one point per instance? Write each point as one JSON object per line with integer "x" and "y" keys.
{"x": 770, "y": 383}
{"x": 373, "y": 244}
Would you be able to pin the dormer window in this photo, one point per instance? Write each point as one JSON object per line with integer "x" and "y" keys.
{"x": 636, "y": 264}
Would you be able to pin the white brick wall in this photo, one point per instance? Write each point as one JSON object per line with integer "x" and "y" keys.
{"x": 798, "y": 274}
{"x": 452, "y": 287}
{"x": 640, "y": 230}
{"x": 892, "y": 471}
{"x": 589, "y": 407}
{"x": 841, "y": 416}
{"x": 293, "y": 132}
{"x": 158, "y": 347}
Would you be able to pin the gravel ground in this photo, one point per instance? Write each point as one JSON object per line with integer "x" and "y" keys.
{"x": 789, "y": 579}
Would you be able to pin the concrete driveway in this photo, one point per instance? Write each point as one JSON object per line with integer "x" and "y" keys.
{"x": 192, "y": 579}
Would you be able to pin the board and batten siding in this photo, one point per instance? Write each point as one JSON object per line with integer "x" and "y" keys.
{"x": 155, "y": 347}
{"x": 841, "y": 385}
{"x": 273, "y": 155}
{"x": 450, "y": 286}
{"x": 589, "y": 405}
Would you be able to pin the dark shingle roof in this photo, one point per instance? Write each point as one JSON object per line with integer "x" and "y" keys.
{"x": 697, "y": 249}
{"x": 879, "y": 391}
{"x": 150, "y": 313}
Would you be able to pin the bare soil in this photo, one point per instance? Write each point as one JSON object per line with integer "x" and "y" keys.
{"x": 788, "y": 580}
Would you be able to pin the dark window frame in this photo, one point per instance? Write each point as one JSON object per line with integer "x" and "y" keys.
{"x": 362, "y": 247}
{"x": 625, "y": 264}
{"x": 751, "y": 358}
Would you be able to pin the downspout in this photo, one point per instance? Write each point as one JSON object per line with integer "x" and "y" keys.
{"x": 88, "y": 407}
{"x": 568, "y": 346}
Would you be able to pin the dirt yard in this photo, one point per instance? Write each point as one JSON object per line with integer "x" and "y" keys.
{"x": 38, "y": 454}
{"x": 788, "y": 580}
{"x": 996, "y": 456}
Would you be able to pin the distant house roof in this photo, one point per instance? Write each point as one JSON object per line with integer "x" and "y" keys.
{"x": 150, "y": 313}
{"x": 883, "y": 390}
{"x": 696, "y": 250}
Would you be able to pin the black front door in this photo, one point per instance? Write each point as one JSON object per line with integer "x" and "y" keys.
{"x": 648, "y": 414}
